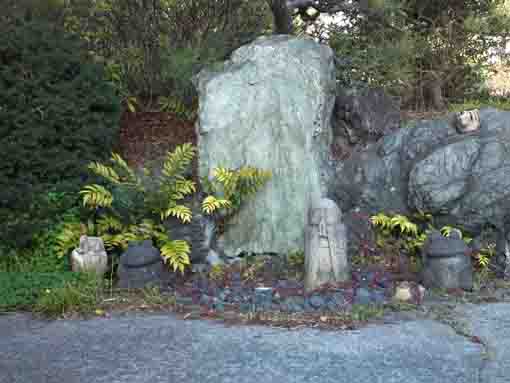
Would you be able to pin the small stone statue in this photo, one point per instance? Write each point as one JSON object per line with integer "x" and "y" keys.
{"x": 141, "y": 265}
{"x": 447, "y": 264}
{"x": 90, "y": 256}
{"x": 325, "y": 246}
{"x": 503, "y": 254}
{"x": 467, "y": 121}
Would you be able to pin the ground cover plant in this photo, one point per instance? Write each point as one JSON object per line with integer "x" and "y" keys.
{"x": 138, "y": 211}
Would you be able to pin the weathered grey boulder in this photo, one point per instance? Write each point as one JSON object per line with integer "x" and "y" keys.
{"x": 462, "y": 179}
{"x": 270, "y": 107}
{"x": 364, "y": 115}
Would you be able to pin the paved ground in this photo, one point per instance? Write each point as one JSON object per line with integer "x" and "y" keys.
{"x": 137, "y": 348}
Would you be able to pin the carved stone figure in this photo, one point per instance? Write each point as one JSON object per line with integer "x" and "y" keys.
{"x": 141, "y": 265}
{"x": 409, "y": 292}
{"x": 446, "y": 262}
{"x": 502, "y": 261}
{"x": 90, "y": 256}
{"x": 325, "y": 246}
{"x": 467, "y": 121}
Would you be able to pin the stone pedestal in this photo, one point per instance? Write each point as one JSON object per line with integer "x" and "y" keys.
{"x": 325, "y": 246}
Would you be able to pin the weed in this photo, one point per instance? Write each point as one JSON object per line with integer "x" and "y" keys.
{"x": 81, "y": 295}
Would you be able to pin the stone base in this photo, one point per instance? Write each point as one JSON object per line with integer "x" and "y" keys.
{"x": 449, "y": 273}
{"x": 156, "y": 274}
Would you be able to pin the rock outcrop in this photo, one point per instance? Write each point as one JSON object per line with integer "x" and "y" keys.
{"x": 462, "y": 179}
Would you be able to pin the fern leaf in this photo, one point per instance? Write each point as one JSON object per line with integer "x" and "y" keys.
{"x": 96, "y": 196}
{"x": 105, "y": 171}
{"x": 107, "y": 223}
{"x": 68, "y": 239}
{"x": 185, "y": 186}
{"x": 176, "y": 254}
{"x": 177, "y": 161}
{"x": 117, "y": 159}
{"x": 210, "y": 204}
{"x": 179, "y": 211}
{"x": 380, "y": 220}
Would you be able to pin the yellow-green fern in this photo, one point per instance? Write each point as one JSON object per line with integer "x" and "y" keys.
{"x": 178, "y": 160}
{"x": 210, "y": 204}
{"x": 176, "y": 254}
{"x": 95, "y": 196}
{"x": 180, "y": 211}
{"x": 161, "y": 202}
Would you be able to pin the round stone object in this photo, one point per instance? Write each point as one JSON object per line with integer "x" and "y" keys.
{"x": 140, "y": 254}
{"x": 446, "y": 264}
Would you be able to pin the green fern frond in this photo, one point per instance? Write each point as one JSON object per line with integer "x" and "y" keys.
{"x": 381, "y": 220}
{"x": 96, "y": 196}
{"x": 177, "y": 161}
{"x": 176, "y": 254}
{"x": 179, "y": 211}
{"x": 185, "y": 186}
{"x": 483, "y": 260}
{"x": 117, "y": 159}
{"x": 210, "y": 204}
{"x": 68, "y": 239}
{"x": 446, "y": 230}
{"x": 403, "y": 223}
{"x": 109, "y": 241}
{"x": 104, "y": 171}
{"x": 107, "y": 223}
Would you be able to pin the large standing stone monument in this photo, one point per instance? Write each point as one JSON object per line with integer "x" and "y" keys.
{"x": 325, "y": 246}
{"x": 270, "y": 107}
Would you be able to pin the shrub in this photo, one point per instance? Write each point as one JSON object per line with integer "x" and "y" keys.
{"x": 130, "y": 212}
{"x": 57, "y": 113}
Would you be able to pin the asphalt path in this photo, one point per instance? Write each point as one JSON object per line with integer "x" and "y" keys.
{"x": 150, "y": 348}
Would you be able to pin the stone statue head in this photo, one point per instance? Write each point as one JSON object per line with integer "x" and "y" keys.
{"x": 91, "y": 244}
{"x": 468, "y": 120}
{"x": 325, "y": 209}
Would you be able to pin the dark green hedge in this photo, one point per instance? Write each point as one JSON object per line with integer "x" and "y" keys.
{"x": 57, "y": 113}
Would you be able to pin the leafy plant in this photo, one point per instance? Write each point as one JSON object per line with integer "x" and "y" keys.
{"x": 447, "y": 230}
{"x": 80, "y": 296}
{"x": 296, "y": 259}
{"x": 233, "y": 186}
{"x": 117, "y": 79}
{"x": 156, "y": 203}
{"x": 412, "y": 238}
{"x": 174, "y": 105}
{"x": 217, "y": 273}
